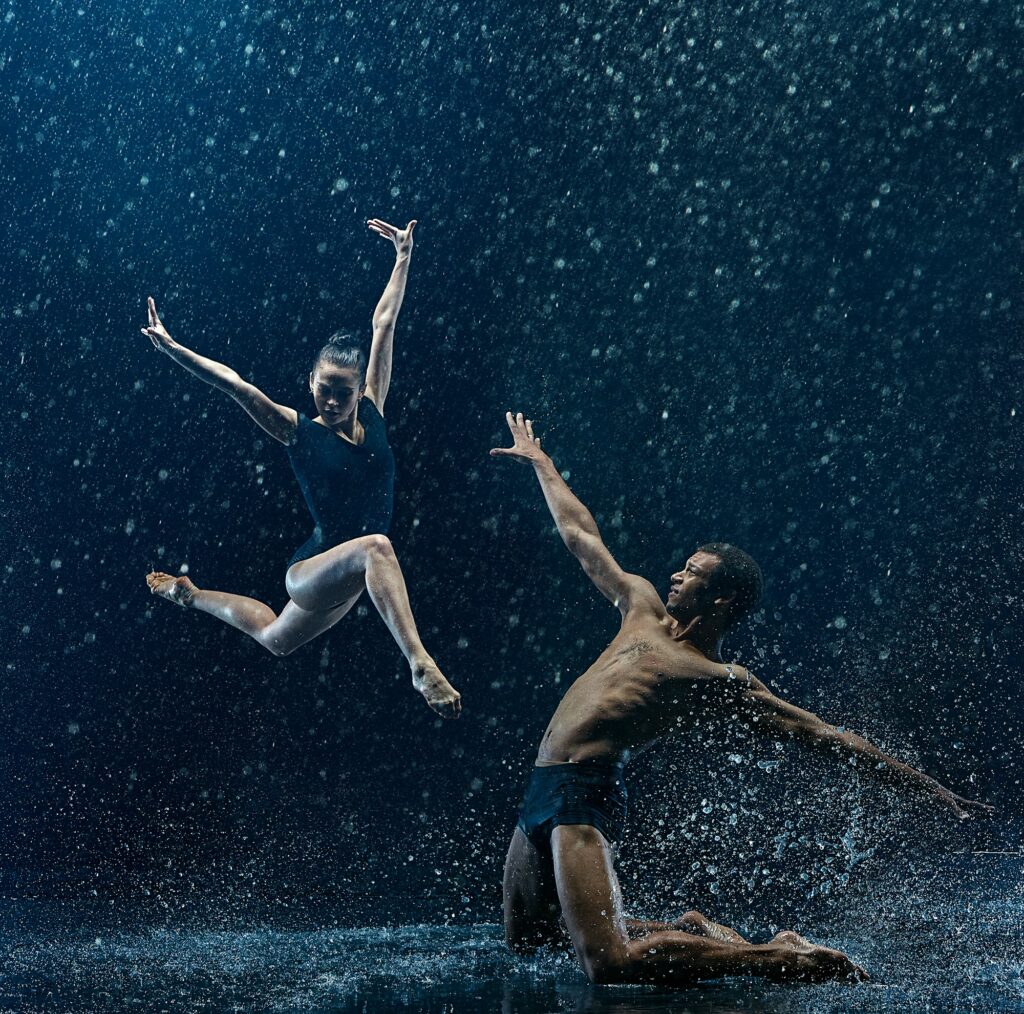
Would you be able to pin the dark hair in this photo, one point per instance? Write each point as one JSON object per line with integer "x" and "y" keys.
{"x": 342, "y": 349}
{"x": 739, "y": 573}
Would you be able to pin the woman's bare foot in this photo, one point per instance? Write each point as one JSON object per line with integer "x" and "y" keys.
{"x": 178, "y": 590}
{"x": 808, "y": 962}
{"x": 436, "y": 690}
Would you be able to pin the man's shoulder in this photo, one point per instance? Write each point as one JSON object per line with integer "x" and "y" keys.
{"x": 730, "y": 676}
{"x": 739, "y": 677}
{"x": 643, "y": 595}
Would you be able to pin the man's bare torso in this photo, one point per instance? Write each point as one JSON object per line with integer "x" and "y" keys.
{"x": 645, "y": 684}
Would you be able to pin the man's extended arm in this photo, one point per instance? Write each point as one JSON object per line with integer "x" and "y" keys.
{"x": 575, "y": 523}
{"x": 779, "y": 716}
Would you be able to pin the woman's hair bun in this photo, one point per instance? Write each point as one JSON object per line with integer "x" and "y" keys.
{"x": 343, "y": 349}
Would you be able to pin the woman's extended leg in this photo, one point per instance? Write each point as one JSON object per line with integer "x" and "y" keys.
{"x": 370, "y": 560}
{"x": 324, "y": 588}
{"x": 280, "y": 635}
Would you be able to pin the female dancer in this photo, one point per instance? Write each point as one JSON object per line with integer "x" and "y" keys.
{"x": 345, "y": 470}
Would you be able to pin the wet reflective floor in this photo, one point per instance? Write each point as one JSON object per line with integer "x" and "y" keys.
{"x": 939, "y": 958}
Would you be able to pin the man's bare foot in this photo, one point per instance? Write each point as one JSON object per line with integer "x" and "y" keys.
{"x": 700, "y": 925}
{"x": 436, "y": 690}
{"x": 178, "y": 590}
{"x": 807, "y": 962}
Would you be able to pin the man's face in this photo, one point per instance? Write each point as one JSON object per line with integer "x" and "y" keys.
{"x": 690, "y": 590}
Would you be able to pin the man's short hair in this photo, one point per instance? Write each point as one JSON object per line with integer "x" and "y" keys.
{"x": 737, "y": 573}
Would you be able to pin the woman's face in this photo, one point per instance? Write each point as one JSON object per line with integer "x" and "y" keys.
{"x": 336, "y": 391}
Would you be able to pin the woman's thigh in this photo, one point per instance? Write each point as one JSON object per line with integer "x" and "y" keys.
{"x": 295, "y": 626}
{"x": 333, "y": 576}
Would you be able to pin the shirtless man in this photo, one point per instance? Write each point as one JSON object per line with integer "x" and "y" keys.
{"x": 663, "y": 671}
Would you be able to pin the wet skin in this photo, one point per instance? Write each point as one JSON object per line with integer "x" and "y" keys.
{"x": 649, "y": 681}
{"x": 323, "y": 588}
{"x": 662, "y": 672}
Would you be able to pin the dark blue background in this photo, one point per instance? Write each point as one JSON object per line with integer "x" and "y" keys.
{"x": 753, "y": 269}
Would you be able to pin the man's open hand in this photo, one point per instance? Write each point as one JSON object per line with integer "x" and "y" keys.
{"x": 965, "y": 809}
{"x": 525, "y": 446}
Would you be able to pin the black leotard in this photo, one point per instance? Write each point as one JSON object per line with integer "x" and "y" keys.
{"x": 348, "y": 488}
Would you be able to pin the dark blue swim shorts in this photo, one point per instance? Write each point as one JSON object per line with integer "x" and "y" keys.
{"x": 592, "y": 793}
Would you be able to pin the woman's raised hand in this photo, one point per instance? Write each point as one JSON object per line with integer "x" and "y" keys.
{"x": 156, "y": 332}
{"x": 402, "y": 238}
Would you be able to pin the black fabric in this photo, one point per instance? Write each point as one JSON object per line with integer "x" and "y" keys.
{"x": 348, "y": 488}
{"x": 592, "y": 793}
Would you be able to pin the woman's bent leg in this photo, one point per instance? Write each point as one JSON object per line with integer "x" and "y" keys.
{"x": 323, "y": 588}
{"x": 370, "y": 560}
{"x": 280, "y": 635}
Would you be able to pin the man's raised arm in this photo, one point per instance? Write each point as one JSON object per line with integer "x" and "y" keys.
{"x": 773, "y": 714}
{"x": 575, "y": 523}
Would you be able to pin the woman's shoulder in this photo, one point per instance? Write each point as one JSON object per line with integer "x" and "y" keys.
{"x": 302, "y": 425}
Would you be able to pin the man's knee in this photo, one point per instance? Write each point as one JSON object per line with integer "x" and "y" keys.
{"x": 606, "y": 968}
{"x": 525, "y": 934}
{"x": 519, "y": 941}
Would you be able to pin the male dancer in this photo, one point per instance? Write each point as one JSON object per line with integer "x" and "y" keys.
{"x": 662, "y": 672}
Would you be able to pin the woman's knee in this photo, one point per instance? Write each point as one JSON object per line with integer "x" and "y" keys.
{"x": 378, "y": 547}
{"x": 275, "y": 646}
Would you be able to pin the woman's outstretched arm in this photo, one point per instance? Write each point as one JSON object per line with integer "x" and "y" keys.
{"x": 278, "y": 421}
{"x": 378, "y": 370}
